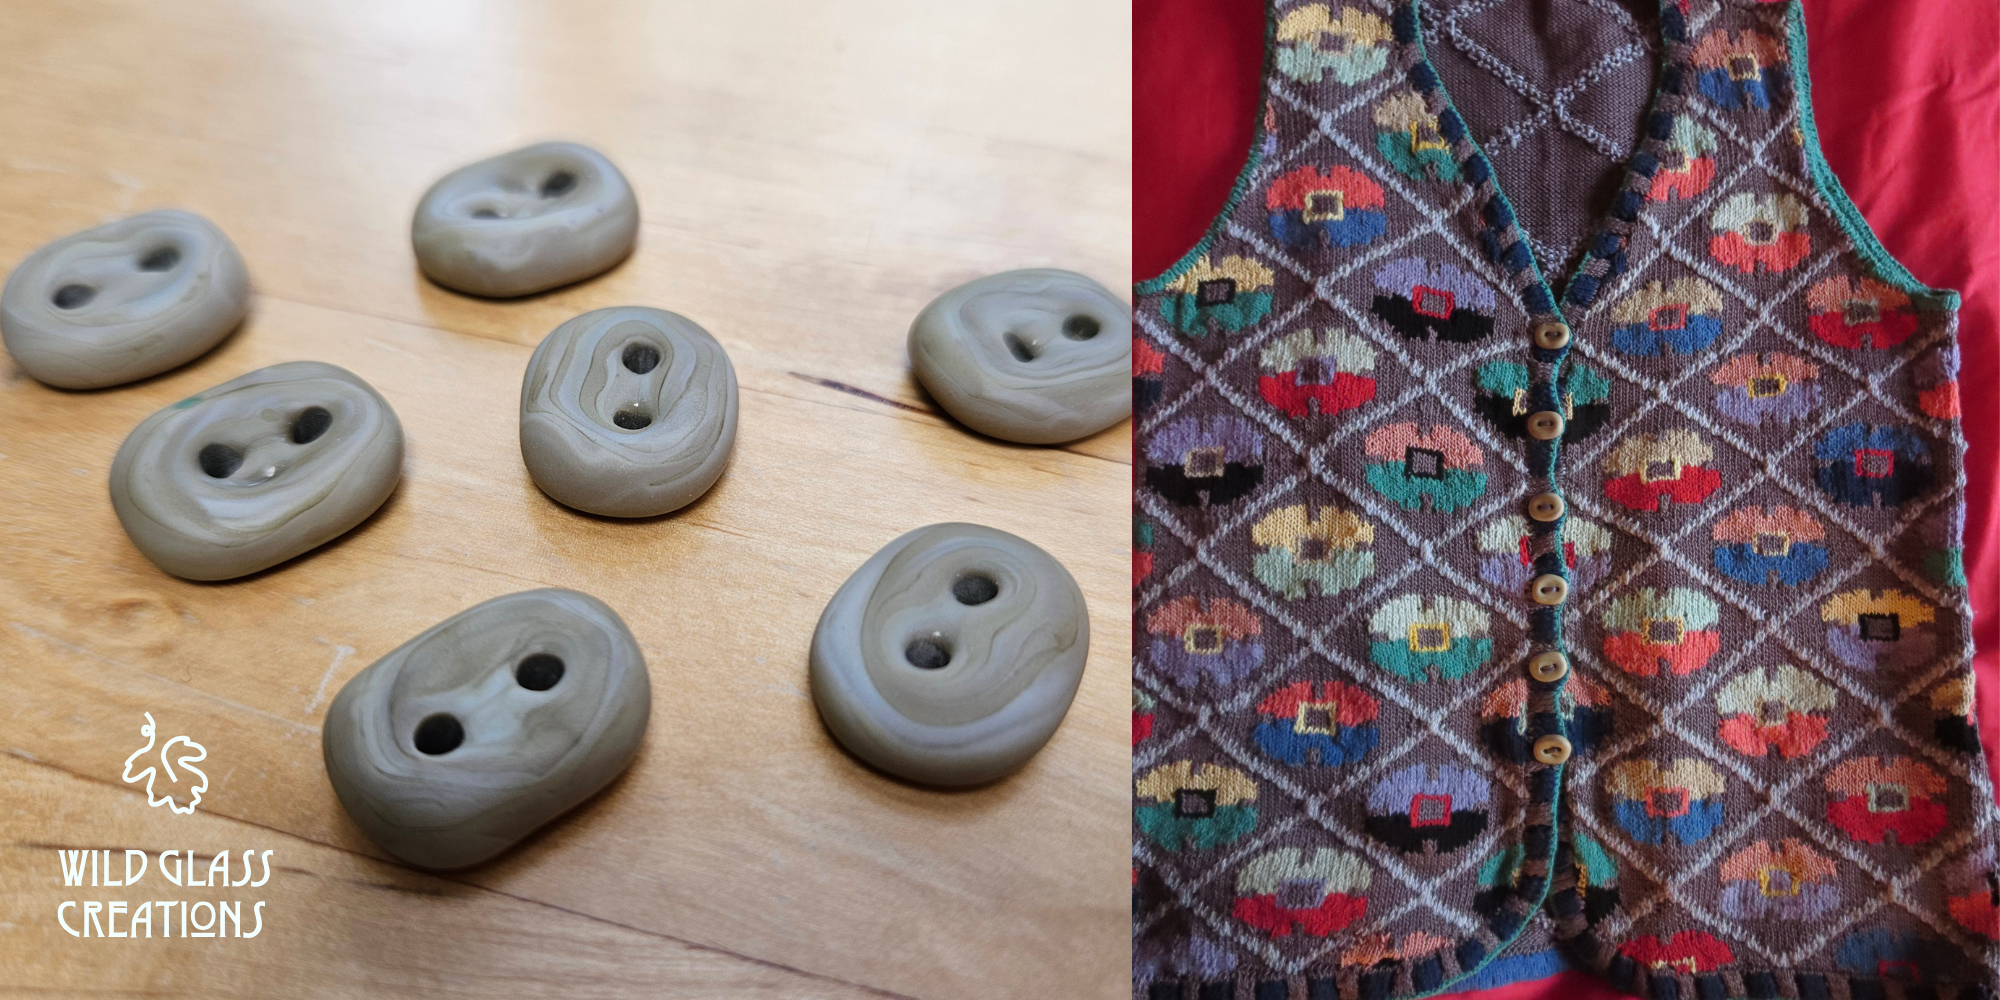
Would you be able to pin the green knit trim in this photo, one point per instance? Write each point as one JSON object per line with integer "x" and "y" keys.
{"x": 1250, "y": 165}
{"x": 1886, "y": 267}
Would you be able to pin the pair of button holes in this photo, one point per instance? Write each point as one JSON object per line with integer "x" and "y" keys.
{"x": 933, "y": 651}
{"x": 638, "y": 359}
{"x": 1077, "y": 327}
{"x": 220, "y": 461}
{"x": 554, "y": 185}
{"x": 75, "y": 296}
{"x": 442, "y": 733}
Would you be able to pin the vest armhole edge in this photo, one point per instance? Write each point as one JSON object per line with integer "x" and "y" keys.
{"x": 1827, "y": 184}
{"x": 1241, "y": 187}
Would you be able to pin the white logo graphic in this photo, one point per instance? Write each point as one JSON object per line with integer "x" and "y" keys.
{"x": 197, "y": 752}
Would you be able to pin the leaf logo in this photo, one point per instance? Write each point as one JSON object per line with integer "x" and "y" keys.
{"x": 193, "y": 752}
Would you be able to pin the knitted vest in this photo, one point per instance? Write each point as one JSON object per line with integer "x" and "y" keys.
{"x": 1572, "y": 579}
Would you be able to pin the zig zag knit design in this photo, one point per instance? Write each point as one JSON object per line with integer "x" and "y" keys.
{"x": 1775, "y": 789}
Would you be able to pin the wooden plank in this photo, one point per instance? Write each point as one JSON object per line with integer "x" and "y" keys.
{"x": 810, "y": 176}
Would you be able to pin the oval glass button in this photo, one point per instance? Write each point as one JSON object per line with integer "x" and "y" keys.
{"x": 1548, "y": 667}
{"x": 489, "y": 724}
{"x": 1037, "y": 356}
{"x": 1552, "y": 336}
{"x": 1545, "y": 426}
{"x": 526, "y": 221}
{"x": 950, "y": 656}
{"x": 1546, "y": 507}
{"x": 125, "y": 300}
{"x": 256, "y": 470}
{"x": 1552, "y": 750}
{"x": 628, "y": 412}
{"x": 1550, "y": 589}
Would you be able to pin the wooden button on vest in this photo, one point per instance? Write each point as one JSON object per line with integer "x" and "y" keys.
{"x": 1548, "y": 667}
{"x": 256, "y": 470}
{"x": 1551, "y": 589}
{"x": 487, "y": 725}
{"x": 1552, "y": 336}
{"x": 1546, "y": 425}
{"x": 1552, "y": 750}
{"x": 951, "y": 655}
{"x": 1546, "y": 507}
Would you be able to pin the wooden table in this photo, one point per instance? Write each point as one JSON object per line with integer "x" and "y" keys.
{"x": 810, "y": 175}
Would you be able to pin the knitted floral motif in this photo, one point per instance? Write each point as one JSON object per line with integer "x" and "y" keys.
{"x": 1436, "y": 808}
{"x": 1313, "y": 41}
{"x": 1688, "y": 167}
{"x": 1782, "y": 711}
{"x": 1205, "y": 639}
{"x": 1859, "y": 312}
{"x": 1507, "y": 557}
{"x": 1303, "y": 373}
{"x": 1873, "y": 800}
{"x": 1936, "y": 377}
{"x": 1886, "y": 954}
{"x": 1584, "y": 707}
{"x": 1685, "y": 953}
{"x": 1646, "y": 469}
{"x": 1185, "y": 805}
{"x": 1683, "y": 799}
{"x": 1377, "y": 950}
{"x": 1142, "y": 539}
{"x": 1864, "y": 465}
{"x": 1753, "y": 230}
{"x": 1282, "y": 890}
{"x": 1417, "y": 636}
{"x": 1421, "y": 300}
{"x": 1762, "y": 547}
{"x": 1943, "y": 532}
{"x": 1646, "y": 630}
{"x": 1230, "y": 294}
{"x": 1415, "y": 467}
{"x": 1786, "y": 881}
{"x": 1332, "y": 726}
{"x": 1322, "y": 549}
{"x": 1952, "y": 703}
{"x": 1335, "y": 207}
{"x": 1974, "y": 902}
{"x": 1869, "y": 631}
{"x": 1179, "y": 951}
{"x": 1774, "y": 388}
{"x": 1503, "y": 399}
{"x": 1195, "y": 461}
{"x": 1681, "y": 317}
{"x": 1407, "y": 136}
{"x": 1142, "y": 716}
{"x": 1147, "y": 365}
{"x": 1738, "y": 70}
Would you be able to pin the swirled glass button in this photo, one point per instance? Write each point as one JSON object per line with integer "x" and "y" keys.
{"x": 125, "y": 300}
{"x": 489, "y": 724}
{"x": 628, "y": 412}
{"x": 256, "y": 470}
{"x": 1037, "y": 356}
{"x": 950, "y": 656}
{"x": 522, "y": 222}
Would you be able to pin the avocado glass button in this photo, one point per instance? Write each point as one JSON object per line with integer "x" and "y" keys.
{"x": 1545, "y": 426}
{"x": 525, "y": 221}
{"x": 1546, "y": 507}
{"x": 125, "y": 300}
{"x": 628, "y": 412}
{"x": 1552, "y": 750}
{"x": 951, "y": 655}
{"x": 256, "y": 470}
{"x": 1548, "y": 667}
{"x": 491, "y": 723}
{"x": 1550, "y": 589}
{"x": 1038, "y": 356}
{"x": 1552, "y": 336}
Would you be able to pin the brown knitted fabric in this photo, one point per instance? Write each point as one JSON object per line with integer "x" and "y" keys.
{"x": 1378, "y": 484}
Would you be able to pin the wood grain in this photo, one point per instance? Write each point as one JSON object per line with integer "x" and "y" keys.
{"x": 810, "y": 175}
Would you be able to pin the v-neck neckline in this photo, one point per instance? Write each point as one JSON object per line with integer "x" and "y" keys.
{"x": 1503, "y": 237}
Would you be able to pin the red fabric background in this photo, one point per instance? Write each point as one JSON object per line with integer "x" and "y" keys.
{"x": 1907, "y": 96}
